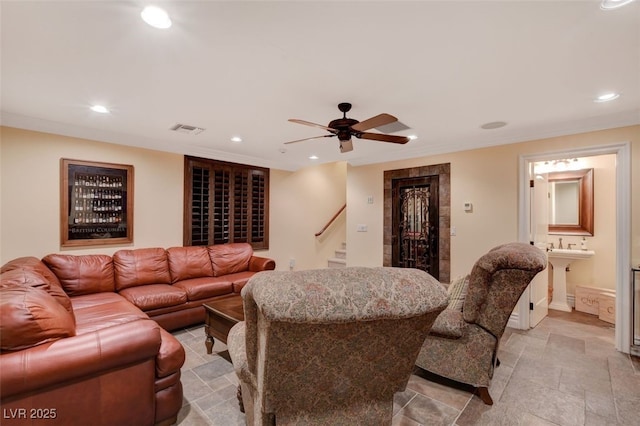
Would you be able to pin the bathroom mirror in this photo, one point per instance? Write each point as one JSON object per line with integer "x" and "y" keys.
{"x": 571, "y": 202}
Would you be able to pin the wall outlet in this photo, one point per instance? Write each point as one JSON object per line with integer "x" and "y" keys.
{"x": 453, "y": 231}
{"x": 292, "y": 263}
{"x": 361, "y": 227}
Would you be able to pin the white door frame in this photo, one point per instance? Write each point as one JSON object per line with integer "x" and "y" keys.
{"x": 623, "y": 229}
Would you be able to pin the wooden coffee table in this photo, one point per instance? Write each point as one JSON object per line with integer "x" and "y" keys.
{"x": 220, "y": 316}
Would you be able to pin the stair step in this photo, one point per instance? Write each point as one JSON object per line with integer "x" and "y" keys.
{"x": 334, "y": 262}
{"x": 341, "y": 254}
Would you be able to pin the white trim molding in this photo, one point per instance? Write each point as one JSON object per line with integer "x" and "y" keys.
{"x": 623, "y": 230}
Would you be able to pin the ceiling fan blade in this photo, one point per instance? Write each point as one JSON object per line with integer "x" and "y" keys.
{"x": 306, "y": 139}
{"x": 308, "y": 123}
{"x": 382, "y": 137}
{"x": 377, "y": 121}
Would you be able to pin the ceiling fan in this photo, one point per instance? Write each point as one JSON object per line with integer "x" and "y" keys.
{"x": 345, "y": 127}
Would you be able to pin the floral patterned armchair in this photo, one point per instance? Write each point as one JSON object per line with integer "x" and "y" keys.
{"x": 331, "y": 346}
{"x": 462, "y": 345}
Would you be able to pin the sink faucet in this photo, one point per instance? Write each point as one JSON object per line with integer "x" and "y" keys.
{"x": 551, "y": 247}
{"x": 569, "y": 245}
{"x": 560, "y": 243}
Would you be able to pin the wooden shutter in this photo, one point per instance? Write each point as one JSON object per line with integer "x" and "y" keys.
{"x": 258, "y": 202}
{"x": 199, "y": 206}
{"x": 225, "y": 203}
{"x": 240, "y": 208}
{"x": 221, "y": 203}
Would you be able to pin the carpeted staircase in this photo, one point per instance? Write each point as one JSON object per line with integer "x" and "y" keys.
{"x": 340, "y": 259}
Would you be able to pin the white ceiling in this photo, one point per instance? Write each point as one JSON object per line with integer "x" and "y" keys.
{"x": 243, "y": 68}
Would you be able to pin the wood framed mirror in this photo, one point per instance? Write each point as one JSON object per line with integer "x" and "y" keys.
{"x": 571, "y": 202}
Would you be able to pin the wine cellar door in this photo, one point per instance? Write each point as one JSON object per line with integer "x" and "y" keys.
{"x": 415, "y": 223}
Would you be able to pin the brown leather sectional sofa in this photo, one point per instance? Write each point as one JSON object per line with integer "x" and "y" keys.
{"x": 84, "y": 339}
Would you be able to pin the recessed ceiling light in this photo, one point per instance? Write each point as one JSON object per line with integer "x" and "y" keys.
{"x": 607, "y": 97}
{"x": 613, "y": 4}
{"x": 493, "y": 125}
{"x": 156, "y": 17}
{"x": 99, "y": 108}
{"x": 313, "y": 157}
{"x": 236, "y": 139}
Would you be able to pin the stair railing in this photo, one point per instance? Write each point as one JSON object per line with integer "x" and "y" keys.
{"x": 335, "y": 216}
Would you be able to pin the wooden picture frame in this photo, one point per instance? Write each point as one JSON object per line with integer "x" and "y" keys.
{"x": 584, "y": 180}
{"x": 96, "y": 203}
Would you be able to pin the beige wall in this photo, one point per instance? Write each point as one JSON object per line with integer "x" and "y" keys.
{"x": 300, "y": 202}
{"x": 600, "y": 270}
{"x": 30, "y": 197}
{"x": 488, "y": 178}
{"x": 477, "y": 176}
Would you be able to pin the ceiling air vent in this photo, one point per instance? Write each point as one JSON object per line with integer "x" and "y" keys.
{"x": 185, "y": 128}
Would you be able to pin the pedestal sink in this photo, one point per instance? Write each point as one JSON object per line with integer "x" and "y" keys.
{"x": 560, "y": 259}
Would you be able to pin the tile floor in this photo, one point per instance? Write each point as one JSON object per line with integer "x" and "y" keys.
{"x": 563, "y": 372}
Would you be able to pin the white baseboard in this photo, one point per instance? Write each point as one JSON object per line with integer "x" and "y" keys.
{"x": 513, "y": 321}
{"x": 514, "y": 318}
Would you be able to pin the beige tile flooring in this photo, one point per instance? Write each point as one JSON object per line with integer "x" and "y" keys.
{"x": 563, "y": 372}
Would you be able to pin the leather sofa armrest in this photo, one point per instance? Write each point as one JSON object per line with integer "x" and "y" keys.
{"x": 73, "y": 358}
{"x": 257, "y": 264}
{"x": 171, "y": 356}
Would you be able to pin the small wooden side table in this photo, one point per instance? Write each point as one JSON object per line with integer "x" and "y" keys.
{"x": 220, "y": 316}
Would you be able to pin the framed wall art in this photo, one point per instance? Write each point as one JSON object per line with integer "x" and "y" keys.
{"x": 96, "y": 203}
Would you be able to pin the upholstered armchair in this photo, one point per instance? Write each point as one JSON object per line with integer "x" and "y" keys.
{"x": 331, "y": 346}
{"x": 463, "y": 344}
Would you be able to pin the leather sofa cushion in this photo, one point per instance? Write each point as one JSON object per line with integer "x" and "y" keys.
{"x": 202, "y": 288}
{"x": 94, "y": 299}
{"x": 239, "y": 280}
{"x": 154, "y": 296}
{"x": 83, "y": 274}
{"x": 29, "y": 277}
{"x": 95, "y": 312}
{"x": 189, "y": 262}
{"x": 33, "y": 264}
{"x": 30, "y": 316}
{"x": 230, "y": 258}
{"x": 140, "y": 267}
{"x": 54, "y": 368}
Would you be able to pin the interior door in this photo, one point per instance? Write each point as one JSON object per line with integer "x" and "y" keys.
{"x": 539, "y": 231}
{"x": 415, "y": 224}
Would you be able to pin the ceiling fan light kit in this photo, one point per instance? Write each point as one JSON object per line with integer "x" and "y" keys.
{"x": 346, "y": 146}
{"x": 344, "y": 128}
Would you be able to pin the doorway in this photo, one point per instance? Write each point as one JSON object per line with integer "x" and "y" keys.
{"x": 622, "y": 232}
{"x": 415, "y": 224}
{"x": 439, "y": 216}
